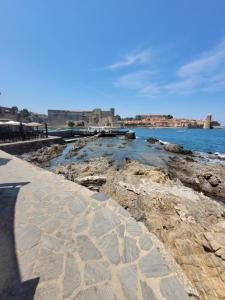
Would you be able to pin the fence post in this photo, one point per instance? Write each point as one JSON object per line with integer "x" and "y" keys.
{"x": 46, "y": 129}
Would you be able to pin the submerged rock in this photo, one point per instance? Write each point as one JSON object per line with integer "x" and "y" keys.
{"x": 79, "y": 144}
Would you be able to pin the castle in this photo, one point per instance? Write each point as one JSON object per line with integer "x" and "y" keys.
{"x": 95, "y": 117}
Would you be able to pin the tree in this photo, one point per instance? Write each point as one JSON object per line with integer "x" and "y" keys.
{"x": 24, "y": 113}
{"x": 168, "y": 116}
{"x": 14, "y": 110}
{"x": 70, "y": 123}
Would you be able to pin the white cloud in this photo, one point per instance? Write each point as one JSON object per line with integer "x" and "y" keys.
{"x": 204, "y": 74}
{"x": 133, "y": 58}
{"x": 140, "y": 81}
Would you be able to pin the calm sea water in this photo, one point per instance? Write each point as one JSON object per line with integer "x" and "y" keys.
{"x": 117, "y": 148}
{"x": 203, "y": 140}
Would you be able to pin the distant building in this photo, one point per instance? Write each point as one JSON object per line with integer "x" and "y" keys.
{"x": 149, "y": 120}
{"x": 208, "y": 122}
{"x": 8, "y": 114}
{"x": 93, "y": 117}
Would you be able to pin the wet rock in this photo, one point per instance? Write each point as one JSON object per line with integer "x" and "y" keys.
{"x": 130, "y": 135}
{"x": 152, "y": 140}
{"x": 81, "y": 155}
{"x": 175, "y": 148}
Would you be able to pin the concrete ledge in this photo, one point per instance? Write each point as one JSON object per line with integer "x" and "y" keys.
{"x": 18, "y": 148}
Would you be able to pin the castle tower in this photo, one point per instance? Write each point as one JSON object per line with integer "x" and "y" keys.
{"x": 208, "y": 121}
{"x": 112, "y": 111}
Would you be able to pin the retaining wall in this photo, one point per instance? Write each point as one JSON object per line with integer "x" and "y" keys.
{"x": 21, "y": 147}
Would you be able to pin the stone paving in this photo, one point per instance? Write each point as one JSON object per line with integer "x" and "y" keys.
{"x": 62, "y": 241}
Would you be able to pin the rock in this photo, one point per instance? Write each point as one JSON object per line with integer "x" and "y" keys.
{"x": 79, "y": 144}
{"x": 81, "y": 155}
{"x": 91, "y": 173}
{"x": 130, "y": 135}
{"x": 202, "y": 176}
{"x": 91, "y": 182}
{"x": 190, "y": 224}
{"x": 175, "y": 148}
{"x": 43, "y": 156}
{"x": 152, "y": 140}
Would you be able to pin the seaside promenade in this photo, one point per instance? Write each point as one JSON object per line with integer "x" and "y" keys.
{"x": 58, "y": 240}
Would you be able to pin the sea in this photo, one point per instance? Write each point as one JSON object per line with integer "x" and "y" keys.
{"x": 202, "y": 141}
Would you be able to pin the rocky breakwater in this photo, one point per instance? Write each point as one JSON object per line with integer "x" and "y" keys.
{"x": 190, "y": 224}
{"x": 43, "y": 156}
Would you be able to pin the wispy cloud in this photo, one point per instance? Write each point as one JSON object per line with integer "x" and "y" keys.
{"x": 141, "y": 81}
{"x": 137, "y": 57}
{"x": 203, "y": 74}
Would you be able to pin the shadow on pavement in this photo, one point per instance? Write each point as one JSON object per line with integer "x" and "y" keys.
{"x": 11, "y": 286}
{"x": 4, "y": 161}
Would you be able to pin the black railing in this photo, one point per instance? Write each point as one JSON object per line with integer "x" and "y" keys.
{"x": 8, "y": 136}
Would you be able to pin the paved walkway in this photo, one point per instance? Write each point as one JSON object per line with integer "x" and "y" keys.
{"x": 59, "y": 240}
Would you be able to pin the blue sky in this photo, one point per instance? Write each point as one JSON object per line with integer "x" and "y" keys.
{"x": 153, "y": 56}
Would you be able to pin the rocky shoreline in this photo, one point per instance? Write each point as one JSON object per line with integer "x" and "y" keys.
{"x": 183, "y": 205}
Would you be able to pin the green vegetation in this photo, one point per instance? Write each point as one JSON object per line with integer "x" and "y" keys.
{"x": 168, "y": 116}
{"x": 71, "y": 124}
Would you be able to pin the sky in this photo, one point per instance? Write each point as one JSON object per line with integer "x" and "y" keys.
{"x": 139, "y": 56}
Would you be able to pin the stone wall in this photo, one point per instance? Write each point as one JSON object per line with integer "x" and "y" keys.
{"x": 22, "y": 147}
